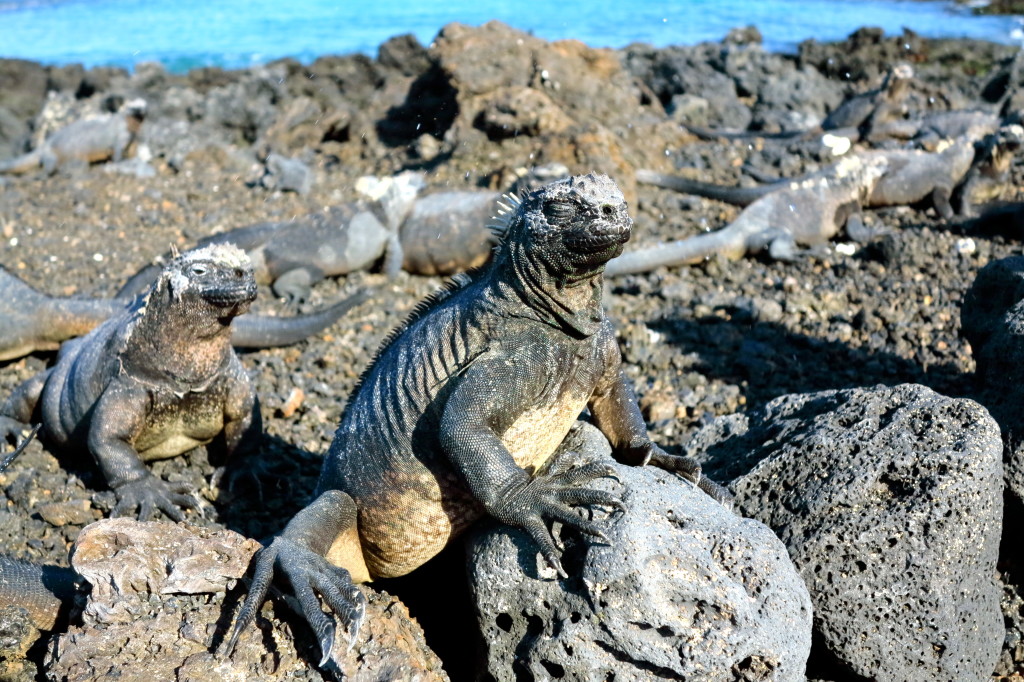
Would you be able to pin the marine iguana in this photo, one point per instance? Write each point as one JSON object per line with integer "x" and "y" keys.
{"x": 807, "y": 212}
{"x": 462, "y": 407}
{"x": 105, "y": 137}
{"x": 293, "y": 255}
{"x": 911, "y": 175}
{"x": 152, "y": 382}
{"x": 970, "y": 169}
{"x": 32, "y": 321}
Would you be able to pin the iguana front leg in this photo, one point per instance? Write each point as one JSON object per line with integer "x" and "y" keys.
{"x": 300, "y": 554}
{"x": 117, "y": 419}
{"x": 243, "y": 423}
{"x": 617, "y": 414}
{"x": 487, "y": 401}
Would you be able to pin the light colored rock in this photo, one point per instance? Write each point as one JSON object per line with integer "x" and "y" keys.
{"x": 685, "y": 590}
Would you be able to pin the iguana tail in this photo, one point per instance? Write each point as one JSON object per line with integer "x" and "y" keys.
{"x": 46, "y": 592}
{"x": 262, "y": 331}
{"x": 31, "y": 320}
{"x": 25, "y": 163}
{"x": 681, "y": 252}
{"x": 737, "y": 196}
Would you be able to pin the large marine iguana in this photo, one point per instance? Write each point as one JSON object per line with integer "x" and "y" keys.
{"x": 106, "y": 137}
{"x": 809, "y": 212}
{"x": 463, "y": 406}
{"x": 152, "y": 382}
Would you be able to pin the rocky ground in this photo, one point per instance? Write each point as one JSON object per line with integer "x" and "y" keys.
{"x": 713, "y": 339}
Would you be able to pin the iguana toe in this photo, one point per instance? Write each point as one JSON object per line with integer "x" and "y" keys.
{"x": 552, "y": 497}
{"x": 149, "y": 494}
{"x": 309, "y": 575}
{"x": 690, "y": 470}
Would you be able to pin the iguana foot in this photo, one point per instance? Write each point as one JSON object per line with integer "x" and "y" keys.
{"x": 309, "y": 575}
{"x": 550, "y": 497}
{"x": 148, "y": 494}
{"x": 295, "y": 286}
{"x": 688, "y": 468}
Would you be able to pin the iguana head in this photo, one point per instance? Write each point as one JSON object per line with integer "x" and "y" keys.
{"x": 571, "y": 227}
{"x": 218, "y": 278}
{"x": 554, "y": 246}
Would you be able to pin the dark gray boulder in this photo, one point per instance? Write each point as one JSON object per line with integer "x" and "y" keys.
{"x": 889, "y": 500}
{"x": 674, "y": 71}
{"x": 685, "y": 590}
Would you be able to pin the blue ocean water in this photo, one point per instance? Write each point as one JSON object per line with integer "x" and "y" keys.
{"x": 232, "y": 33}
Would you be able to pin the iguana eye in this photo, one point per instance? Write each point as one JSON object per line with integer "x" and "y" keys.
{"x": 558, "y": 211}
{"x": 198, "y": 270}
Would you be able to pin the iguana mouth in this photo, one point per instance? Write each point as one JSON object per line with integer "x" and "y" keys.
{"x": 228, "y": 295}
{"x": 598, "y": 238}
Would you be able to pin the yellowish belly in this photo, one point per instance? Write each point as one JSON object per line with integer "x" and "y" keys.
{"x": 535, "y": 435}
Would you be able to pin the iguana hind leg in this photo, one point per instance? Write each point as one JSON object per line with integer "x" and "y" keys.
{"x": 324, "y": 528}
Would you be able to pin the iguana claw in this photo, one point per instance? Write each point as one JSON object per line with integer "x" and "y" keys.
{"x": 310, "y": 575}
{"x": 553, "y": 497}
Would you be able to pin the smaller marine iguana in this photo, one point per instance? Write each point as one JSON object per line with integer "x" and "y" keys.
{"x": 437, "y": 234}
{"x": 809, "y": 211}
{"x": 911, "y": 175}
{"x": 32, "y": 321}
{"x": 152, "y": 382}
{"x": 105, "y": 137}
{"x": 971, "y": 168}
{"x": 463, "y": 406}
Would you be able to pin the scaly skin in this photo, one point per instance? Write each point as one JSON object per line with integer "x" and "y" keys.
{"x": 44, "y": 592}
{"x": 464, "y": 403}
{"x": 151, "y": 382}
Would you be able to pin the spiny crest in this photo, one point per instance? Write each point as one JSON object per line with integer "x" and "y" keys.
{"x": 506, "y": 209}
{"x": 448, "y": 289}
{"x": 226, "y": 254}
